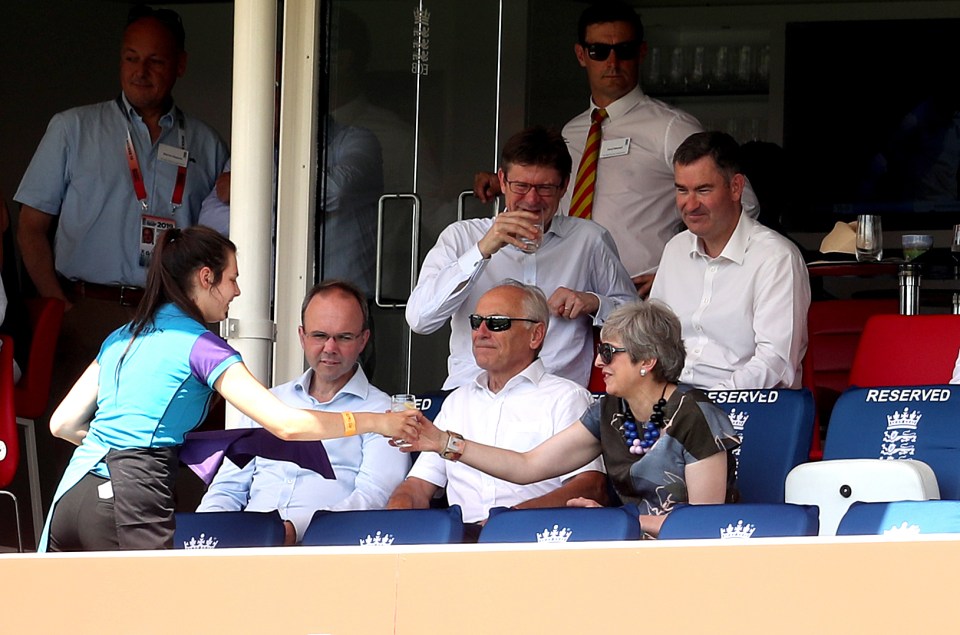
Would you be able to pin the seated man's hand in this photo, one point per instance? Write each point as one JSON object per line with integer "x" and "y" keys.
{"x": 289, "y": 533}
{"x": 643, "y": 283}
{"x": 486, "y": 186}
{"x": 506, "y": 230}
{"x": 583, "y": 502}
{"x": 570, "y": 304}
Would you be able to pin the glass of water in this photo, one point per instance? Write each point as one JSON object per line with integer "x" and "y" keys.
{"x": 869, "y": 238}
{"x": 399, "y": 403}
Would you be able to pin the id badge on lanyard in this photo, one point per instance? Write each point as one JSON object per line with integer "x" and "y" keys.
{"x": 152, "y": 226}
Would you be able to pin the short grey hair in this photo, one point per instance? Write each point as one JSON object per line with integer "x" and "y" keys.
{"x": 649, "y": 330}
{"x": 534, "y": 303}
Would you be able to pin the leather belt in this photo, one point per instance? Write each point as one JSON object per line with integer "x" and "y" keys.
{"x": 125, "y": 296}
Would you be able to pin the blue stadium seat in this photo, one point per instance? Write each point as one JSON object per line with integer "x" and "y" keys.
{"x": 560, "y": 524}
{"x": 385, "y": 527}
{"x": 884, "y": 444}
{"x": 904, "y": 422}
{"x": 218, "y": 530}
{"x": 901, "y": 518}
{"x": 429, "y": 403}
{"x": 740, "y": 521}
{"x": 775, "y": 429}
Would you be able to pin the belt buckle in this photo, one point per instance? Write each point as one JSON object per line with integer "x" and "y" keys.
{"x": 123, "y": 295}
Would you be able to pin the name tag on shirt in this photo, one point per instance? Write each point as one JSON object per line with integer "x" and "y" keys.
{"x": 174, "y": 155}
{"x": 614, "y": 147}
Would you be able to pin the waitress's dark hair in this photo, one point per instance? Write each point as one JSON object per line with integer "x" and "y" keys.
{"x": 178, "y": 254}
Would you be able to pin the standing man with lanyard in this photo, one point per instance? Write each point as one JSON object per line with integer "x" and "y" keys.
{"x": 623, "y": 144}
{"x": 114, "y": 175}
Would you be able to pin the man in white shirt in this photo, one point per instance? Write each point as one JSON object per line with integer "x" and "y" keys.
{"x": 334, "y": 331}
{"x": 514, "y": 403}
{"x": 574, "y": 262}
{"x": 633, "y": 197}
{"x": 741, "y": 290}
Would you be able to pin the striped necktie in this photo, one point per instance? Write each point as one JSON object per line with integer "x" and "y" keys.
{"x": 581, "y": 205}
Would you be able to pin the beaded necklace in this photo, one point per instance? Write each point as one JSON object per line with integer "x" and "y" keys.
{"x": 640, "y": 441}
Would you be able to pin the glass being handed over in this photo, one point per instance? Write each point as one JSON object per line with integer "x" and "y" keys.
{"x": 399, "y": 403}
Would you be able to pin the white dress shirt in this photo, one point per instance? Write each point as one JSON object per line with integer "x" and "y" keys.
{"x": 743, "y": 313}
{"x": 532, "y": 407}
{"x": 368, "y": 469}
{"x": 634, "y": 197}
{"x": 576, "y": 254}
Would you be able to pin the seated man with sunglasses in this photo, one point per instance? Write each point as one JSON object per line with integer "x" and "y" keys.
{"x": 514, "y": 404}
{"x": 573, "y": 261}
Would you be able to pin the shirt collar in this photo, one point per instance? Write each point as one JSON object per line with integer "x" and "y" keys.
{"x": 165, "y": 121}
{"x": 531, "y": 374}
{"x": 358, "y": 386}
{"x": 560, "y": 225}
{"x": 736, "y": 246}
{"x": 623, "y": 105}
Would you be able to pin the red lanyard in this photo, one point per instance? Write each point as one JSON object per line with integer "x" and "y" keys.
{"x": 136, "y": 175}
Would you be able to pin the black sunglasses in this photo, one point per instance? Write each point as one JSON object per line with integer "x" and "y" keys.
{"x": 624, "y": 50}
{"x": 496, "y": 323}
{"x": 606, "y": 350}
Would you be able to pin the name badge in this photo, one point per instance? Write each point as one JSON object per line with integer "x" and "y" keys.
{"x": 150, "y": 229}
{"x": 614, "y": 147}
{"x": 172, "y": 154}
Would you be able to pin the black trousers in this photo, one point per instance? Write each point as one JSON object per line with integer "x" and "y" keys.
{"x": 137, "y": 514}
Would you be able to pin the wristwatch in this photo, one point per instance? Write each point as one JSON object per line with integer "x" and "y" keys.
{"x": 455, "y": 445}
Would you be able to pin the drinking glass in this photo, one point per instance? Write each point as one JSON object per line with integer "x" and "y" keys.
{"x": 531, "y": 245}
{"x": 869, "y": 238}
{"x": 955, "y": 245}
{"x": 399, "y": 403}
{"x": 915, "y": 245}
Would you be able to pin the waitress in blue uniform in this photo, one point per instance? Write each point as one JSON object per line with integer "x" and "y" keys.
{"x": 153, "y": 382}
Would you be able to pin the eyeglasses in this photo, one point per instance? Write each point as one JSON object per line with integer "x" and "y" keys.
{"x": 546, "y": 190}
{"x": 340, "y": 338}
{"x": 496, "y": 323}
{"x": 598, "y": 51}
{"x": 606, "y": 350}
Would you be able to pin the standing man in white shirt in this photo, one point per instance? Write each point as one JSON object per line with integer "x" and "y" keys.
{"x": 334, "y": 331}
{"x": 515, "y": 404}
{"x": 633, "y": 196}
{"x": 741, "y": 290}
{"x": 573, "y": 261}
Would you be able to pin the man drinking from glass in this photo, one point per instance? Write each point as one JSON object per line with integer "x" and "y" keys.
{"x": 574, "y": 261}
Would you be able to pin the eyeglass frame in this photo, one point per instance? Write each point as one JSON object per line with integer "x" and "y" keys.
{"x": 341, "y": 339}
{"x": 475, "y": 318}
{"x": 553, "y": 189}
{"x": 606, "y": 351}
{"x": 627, "y": 50}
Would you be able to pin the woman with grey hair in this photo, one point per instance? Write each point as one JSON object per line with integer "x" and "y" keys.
{"x": 662, "y": 443}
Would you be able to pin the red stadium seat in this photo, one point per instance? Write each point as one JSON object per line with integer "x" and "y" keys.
{"x": 906, "y": 350}
{"x": 834, "y": 328}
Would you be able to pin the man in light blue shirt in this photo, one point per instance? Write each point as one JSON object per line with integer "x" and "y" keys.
{"x": 334, "y": 331}
{"x": 112, "y": 176}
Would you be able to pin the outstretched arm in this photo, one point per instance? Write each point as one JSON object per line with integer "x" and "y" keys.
{"x": 564, "y": 452}
{"x": 248, "y": 395}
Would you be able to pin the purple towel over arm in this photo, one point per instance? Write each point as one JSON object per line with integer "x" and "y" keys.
{"x": 203, "y": 452}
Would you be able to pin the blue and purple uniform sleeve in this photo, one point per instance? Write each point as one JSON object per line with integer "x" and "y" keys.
{"x": 210, "y": 357}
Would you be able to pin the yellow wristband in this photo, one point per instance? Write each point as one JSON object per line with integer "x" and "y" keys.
{"x": 349, "y": 424}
